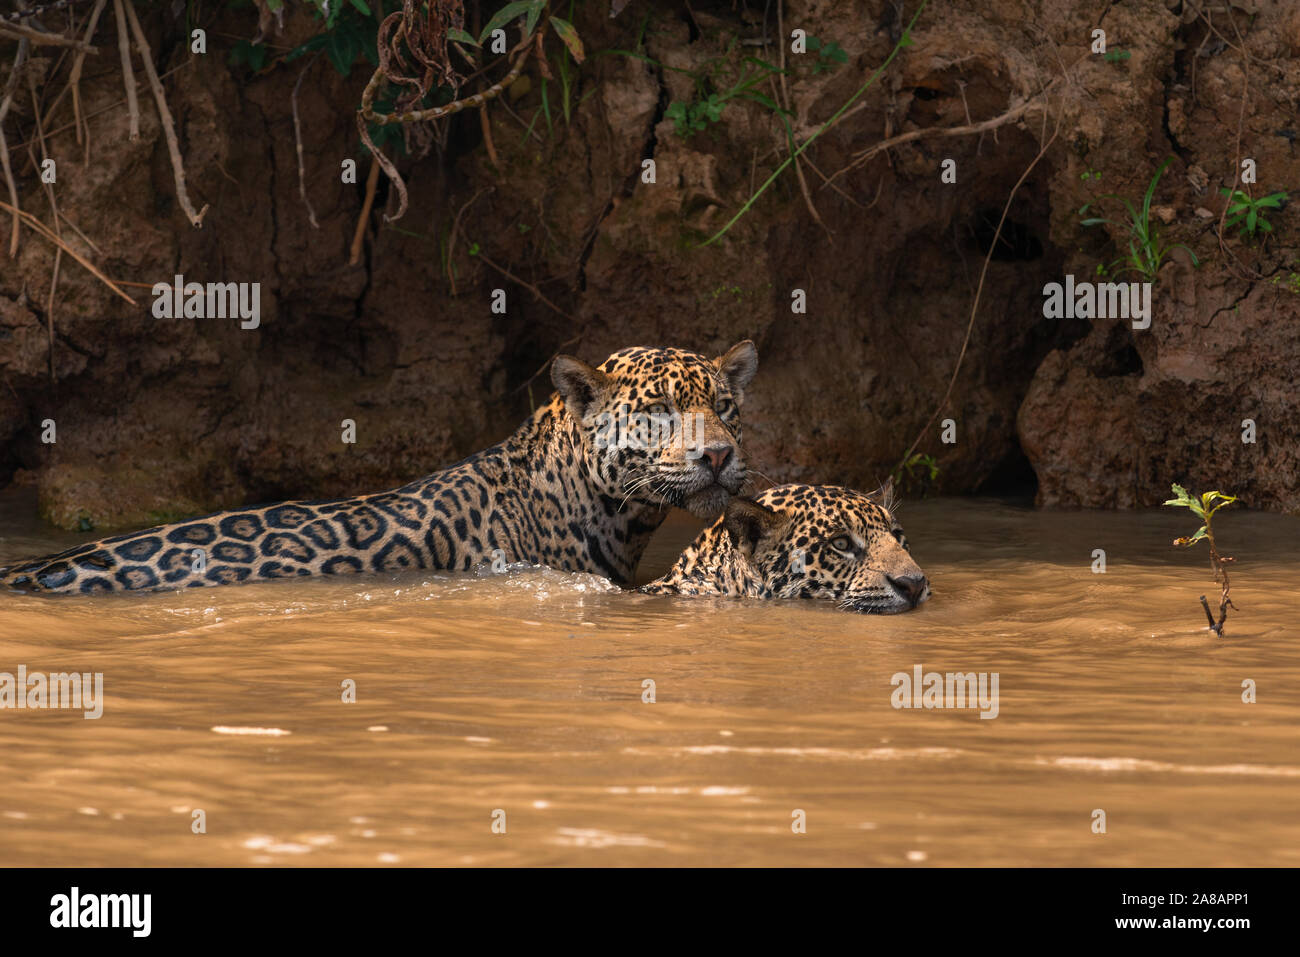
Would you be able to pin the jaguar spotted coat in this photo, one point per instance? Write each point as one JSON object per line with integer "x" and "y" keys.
{"x": 560, "y": 491}
{"x": 803, "y": 541}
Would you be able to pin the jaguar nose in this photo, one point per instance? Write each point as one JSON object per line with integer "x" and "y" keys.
{"x": 911, "y": 587}
{"x": 717, "y": 456}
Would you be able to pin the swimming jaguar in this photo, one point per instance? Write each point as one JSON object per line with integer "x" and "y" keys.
{"x": 803, "y": 541}
{"x": 575, "y": 488}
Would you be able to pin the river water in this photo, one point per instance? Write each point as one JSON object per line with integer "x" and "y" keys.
{"x": 516, "y": 703}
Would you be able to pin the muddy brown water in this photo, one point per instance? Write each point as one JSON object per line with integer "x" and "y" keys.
{"x": 523, "y": 694}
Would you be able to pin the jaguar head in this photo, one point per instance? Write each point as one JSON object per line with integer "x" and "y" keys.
{"x": 822, "y": 541}
{"x": 661, "y": 426}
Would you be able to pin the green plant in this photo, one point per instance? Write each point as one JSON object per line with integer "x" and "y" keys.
{"x": 1205, "y": 507}
{"x": 904, "y": 41}
{"x": 713, "y": 94}
{"x": 829, "y": 55}
{"x": 1090, "y": 174}
{"x": 1248, "y": 212}
{"x": 915, "y": 473}
{"x": 1117, "y": 55}
{"x": 1146, "y": 250}
{"x": 1292, "y": 281}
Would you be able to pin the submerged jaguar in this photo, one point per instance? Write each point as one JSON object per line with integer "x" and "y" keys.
{"x": 804, "y": 541}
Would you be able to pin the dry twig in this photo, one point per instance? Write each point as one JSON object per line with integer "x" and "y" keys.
{"x": 49, "y": 234}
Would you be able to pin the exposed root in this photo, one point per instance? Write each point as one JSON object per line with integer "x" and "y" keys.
{"x": 1010, "y": 116}
{"x": 783, "y": 92}
{"x": 128, "y": 74}
{"x": 54, "y": 215}
{"x": 359, "y": 234}
{"x": 455, "y": 231}
{"x": 74, "y": 81}
{"x": 367, "y": 114}
{"x": 6, "y": 100}
{"x": 297, "y": 139}
{"x": 486, "y": 125}
{"x": 165, "y": 116}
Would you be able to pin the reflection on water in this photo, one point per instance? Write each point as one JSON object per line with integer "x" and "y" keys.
{"x": 524, "y": 693}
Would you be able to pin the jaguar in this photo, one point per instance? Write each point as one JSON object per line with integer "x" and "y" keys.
{"x": 804, "y": 541}
{"x": 564, "y": 490}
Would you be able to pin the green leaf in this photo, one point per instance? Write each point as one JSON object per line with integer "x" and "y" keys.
{"x": 1250, "y": 221}
{"x": 510, "y": 11}
{"x": 564, "y": 30}
{"x": 341, "y": 46}
{"x": 765, "y": 100}
{"x": 361, "y": 6}
{"x": 315, "y": 43}
{"x": 1200, "y": 533}
{"x": 460, "y": 36}
{"x": 535, "y": 11}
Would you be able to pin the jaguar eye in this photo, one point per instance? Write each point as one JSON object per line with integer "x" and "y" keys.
{"x": 842, "y": 543}
{"x": 657, "y": 409}
{"x": 900, "y": 537}
{"x": 723, "y": 406}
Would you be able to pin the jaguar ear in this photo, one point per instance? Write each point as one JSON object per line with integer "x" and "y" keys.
{"x": 580, "y": 384}
{"x": 748, "y": 523}
{"x": 738, "y": 365}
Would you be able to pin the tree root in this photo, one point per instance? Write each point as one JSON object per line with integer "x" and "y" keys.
{"x": 367, "y": 115}
{"x": 297, "y": 139}
{"x": 359, "y": 234}
{"x": 128, "y": 74}
{"x": 165, "y": 116}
